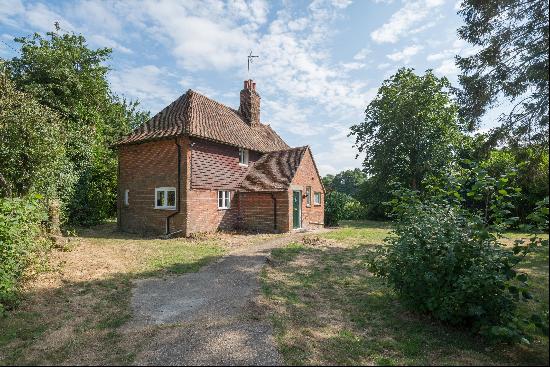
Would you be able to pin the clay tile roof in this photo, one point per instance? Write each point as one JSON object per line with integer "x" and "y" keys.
{"x": 196, "y": 115}
{"x": 274, "y": 171}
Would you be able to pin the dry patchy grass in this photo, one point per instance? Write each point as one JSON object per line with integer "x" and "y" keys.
{"x": 327, "y": 309}
{"x": 74, "y": 312}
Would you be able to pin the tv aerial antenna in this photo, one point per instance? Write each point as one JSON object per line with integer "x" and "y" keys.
{"x": 250, "y": 60}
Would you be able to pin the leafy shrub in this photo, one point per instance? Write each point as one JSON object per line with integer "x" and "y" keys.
{"x": 446, "y": 260}
{"x": 20, "y": 243}
{"x": 354, "y": 210}
{"x": 335, "y": 202}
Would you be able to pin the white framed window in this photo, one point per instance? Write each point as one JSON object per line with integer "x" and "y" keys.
{"x": 126, "y": 197}
{"x": 317, "y": 198}
{"x": 224, "y": 199}
{"x": 243, "y": 156}
{"x": 165, "y": 198}
{"x": 308, "y": 196}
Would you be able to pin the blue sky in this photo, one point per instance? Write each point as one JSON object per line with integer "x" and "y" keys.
{"x": 319, "y": 65}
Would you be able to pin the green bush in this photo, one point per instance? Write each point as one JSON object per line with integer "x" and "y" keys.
{"x": 354, "y": 210}
{"x": 446, "y": 260}
{"x": 335, "y": 202}
{"x": 439, "y": 263}
{"x": 20, "y": 243}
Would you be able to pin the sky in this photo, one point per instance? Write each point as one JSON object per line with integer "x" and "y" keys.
{"x": 320, "y": 62}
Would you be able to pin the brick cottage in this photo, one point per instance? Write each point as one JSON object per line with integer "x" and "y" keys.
{"x": 200, "y": 166}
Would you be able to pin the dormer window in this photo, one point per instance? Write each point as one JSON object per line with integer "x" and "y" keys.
{"x": 243, "y": 156}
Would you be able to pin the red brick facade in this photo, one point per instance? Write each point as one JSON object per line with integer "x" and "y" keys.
{"x": 307, "y": 176}
{"x": 207, "y": 167}
{"x": 142, "y": 168}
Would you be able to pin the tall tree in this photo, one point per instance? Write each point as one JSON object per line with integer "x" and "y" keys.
{"x": 32, "y": 146}
{"x": 349, "y": 182}
{"x": 410, "y": 129}
{"x": 62, "y": 72}
{"x": 511, "y": 62}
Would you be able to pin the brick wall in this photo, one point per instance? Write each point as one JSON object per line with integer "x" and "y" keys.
{"x": 203, "y": 214}
{"x": 256, "y": 211}
{"x": 142, "y": 168}
{"x": 314, "y": 215}
{"x": 206, "y": 168}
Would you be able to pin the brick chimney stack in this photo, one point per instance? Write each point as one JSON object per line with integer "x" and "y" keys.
{"x": 250, "y": 103}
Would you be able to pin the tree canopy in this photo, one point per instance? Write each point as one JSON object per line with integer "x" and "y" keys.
{"x": 410, "y": 128}
{"x": 348, "y": 181}
{"x": 511, "y": 62}
{"x": 32, "y": 146}
{"x": 67, "y": 77}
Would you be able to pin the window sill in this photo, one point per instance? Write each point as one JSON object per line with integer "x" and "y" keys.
{"x": 243, "y": 165}
{"x": 165, "y": 207}
{"x": 224, "y": 208}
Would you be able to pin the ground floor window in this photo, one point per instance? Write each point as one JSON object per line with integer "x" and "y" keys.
{"x": 224, "y": 199}
{"x": 165, "y": 198}
{"x": 317, "y": 198}
{"x": 126, "y": 197}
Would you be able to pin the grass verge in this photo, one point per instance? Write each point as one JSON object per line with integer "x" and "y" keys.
{"x": 327, "y": 309}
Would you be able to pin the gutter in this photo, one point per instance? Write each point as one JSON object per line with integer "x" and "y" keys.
{"x": 178, "y": 193}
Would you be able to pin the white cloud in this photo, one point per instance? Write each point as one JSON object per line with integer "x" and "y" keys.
{"x": 402, "y": 21}
{"x": 447, "y": 68}
{"x": 102, "y": 41}
{"x": 446, "y": 57}
{"x": 437, "y": 56}
{"x": 353, "y": 65}
{"x": 39, "y": 16}
{"x": 405, "y": 54}
{"x": 339, "y": 156}
{"x": 10, "y": 9}
{"x": 362, "y": 54}
{"x": 341, "y": 4}
{"x": 146, "y": 83}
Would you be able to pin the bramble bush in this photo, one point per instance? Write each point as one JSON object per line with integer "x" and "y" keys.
{"x": 21, "y": 243}
{"x": 446, "y": 259}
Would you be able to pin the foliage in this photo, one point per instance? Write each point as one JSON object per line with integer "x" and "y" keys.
{"x": 32, "y": 147}
{"x": 446, "y": 257}
{"x": 374, "y": 192}
{"x": 61, "y": 72}
{"x": 511, "y": 40}
{"x": 410, "y": 131}
{"x": 349, "y": 182}
{"x": 335, "y": 202}
{"x": 531, "y": 166}
{"x": 20, "y": 244}
{"x": 354, "y": 210}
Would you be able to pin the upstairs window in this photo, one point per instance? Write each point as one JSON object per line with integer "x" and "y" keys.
{"x": 165, "y": 198}
{"x": 308, "y": 196}
{"x": 243, "y": 156}
{"x": 224, "y": 199}
{"x": 317, "y": 198}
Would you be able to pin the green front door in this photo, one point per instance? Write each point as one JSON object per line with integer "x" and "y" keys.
{"x": 296, "y": 209}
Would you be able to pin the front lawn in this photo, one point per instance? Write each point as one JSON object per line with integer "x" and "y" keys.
{"x": 77, "y": 311}
{"x": 327, "y": 309}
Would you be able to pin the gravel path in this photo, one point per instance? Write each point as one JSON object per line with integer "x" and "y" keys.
{"x": 209, "y": 317}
